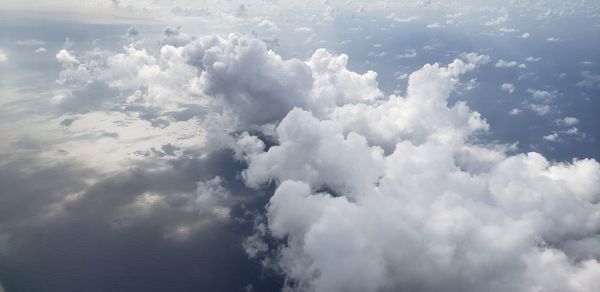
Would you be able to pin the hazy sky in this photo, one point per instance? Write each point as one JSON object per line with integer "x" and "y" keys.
{"x": 299, "y": 145}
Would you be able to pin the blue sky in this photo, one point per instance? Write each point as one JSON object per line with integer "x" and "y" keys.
{"x": 309, "y": 146}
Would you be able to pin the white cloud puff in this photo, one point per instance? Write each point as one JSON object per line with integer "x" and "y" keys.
{"x": 254, "y": 82}
{"x": 434, "y": 211}
{"x": 374, "y": 193}
{"x": 508, "y": 87}
{"x": 3, "y": 57}
{"x": 509, "y": 64}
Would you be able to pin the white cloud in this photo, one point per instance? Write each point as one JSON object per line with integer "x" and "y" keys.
{"x": 254, "y": 82}
{"x": 532, "y": 59}
{"x": 572, "y": 131}
{"x": 525, "y": 35}
{"x": 40, "y": 50}
{"x": 303, "y": 28}
{"x": 540, "y": 109}
{"x": 564, "y": 134}
{"x": 496, "y": 21}
{"x": 415, "y": 204}
{"x": 407, "y": 54}
{"x": 249, "y": 84}
{"x": 508, "y": 87}
{"x": 542, "y": 95}
{"x": 515, "y": 111}
{"x": 471, "y": 84}
{"x": 481, "y": 220}
{"x": 402, "y": 76}
{"x": 509, "y": 64}
{"x": 490, "y": 222}
{"x": 64, "y": 57}
{"x": 31, "y": 43}
{"x": 435, "y": 25}
{"x": 554, "y": 39}
{"x": 3, "y": 57}
{"x": 335, "y": 85}
{"x": 268, "y": 25}
{"x": 589, "y": 80}
{"x": 568, "y": 121}
{"x": 551, "y": 137}
{"x": 405, "y": 19}
{"x": 374, "y": 54}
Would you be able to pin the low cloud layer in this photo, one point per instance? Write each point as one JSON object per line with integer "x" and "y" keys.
{"x": 219, "y": 143}
{"x": 379, "y": 193}
{"x": 437, "y": 213}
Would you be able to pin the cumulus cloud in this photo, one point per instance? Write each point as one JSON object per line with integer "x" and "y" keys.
{"x": 508, "y": 87}
{"x": 489, "y": 223}
{"x": 395, "y": 196}
{"x": 238, "y": 76}
{"x": 568, "y": 121}
{"x": 435, "y": 25}
{"x": 254, "y": 82}
{"x": 540, "y": 109}
{"x": 496, "y": 21}
{"x": 514, "y": 111}
{"x": 589, "y": 80}
{"x": 509, "y": 64}
{"x": 407, "y": 54}
{"x": 267, "y": 25}
{"x": 372, "y": 192}
{"x": 3, "y": 57}
{"x": 551, "y": 137}
{"x": 542, "y": 95}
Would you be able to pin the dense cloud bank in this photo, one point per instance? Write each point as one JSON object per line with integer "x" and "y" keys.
{"x": 373, "y": 192}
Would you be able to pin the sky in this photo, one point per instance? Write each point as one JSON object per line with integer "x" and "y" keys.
{"x": 176, "y": 145}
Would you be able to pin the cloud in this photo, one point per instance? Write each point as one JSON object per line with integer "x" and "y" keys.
{"x": 572, "y": 132}
{"x": 64, "y": 57}
{"x": 132, "y": 32}
{"x": 525, "y": 35}
{"x": 514, "y": 111}
{"x": 268, "y": 25}
{"x": 407, "y": 54}
{"x": 3, "y": 57}
{"x": 508, "y": 87}
{"x": 568, "y": 121}
{"x": 255, "y": 83}
{"x": 394, "y": 236}
{"x": 543, "y": 95}
{"x": 303, "y": 29}
{"x": 405, "y": 19}
{"x": 496, "y": 21}
{"x": 356, "y": 208}
{"x": 372, "y": 192}
{"x": 509, "y": 64}
{"x": 540, "y": 109}
{"x": 551, "y": 137}
{"x": 435, "y": 25}
{"x": 40, "y": 50}
{"x": 589, "y": 80}
{"x": 31, "y": 43}
{"x": 504, "y": 29}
